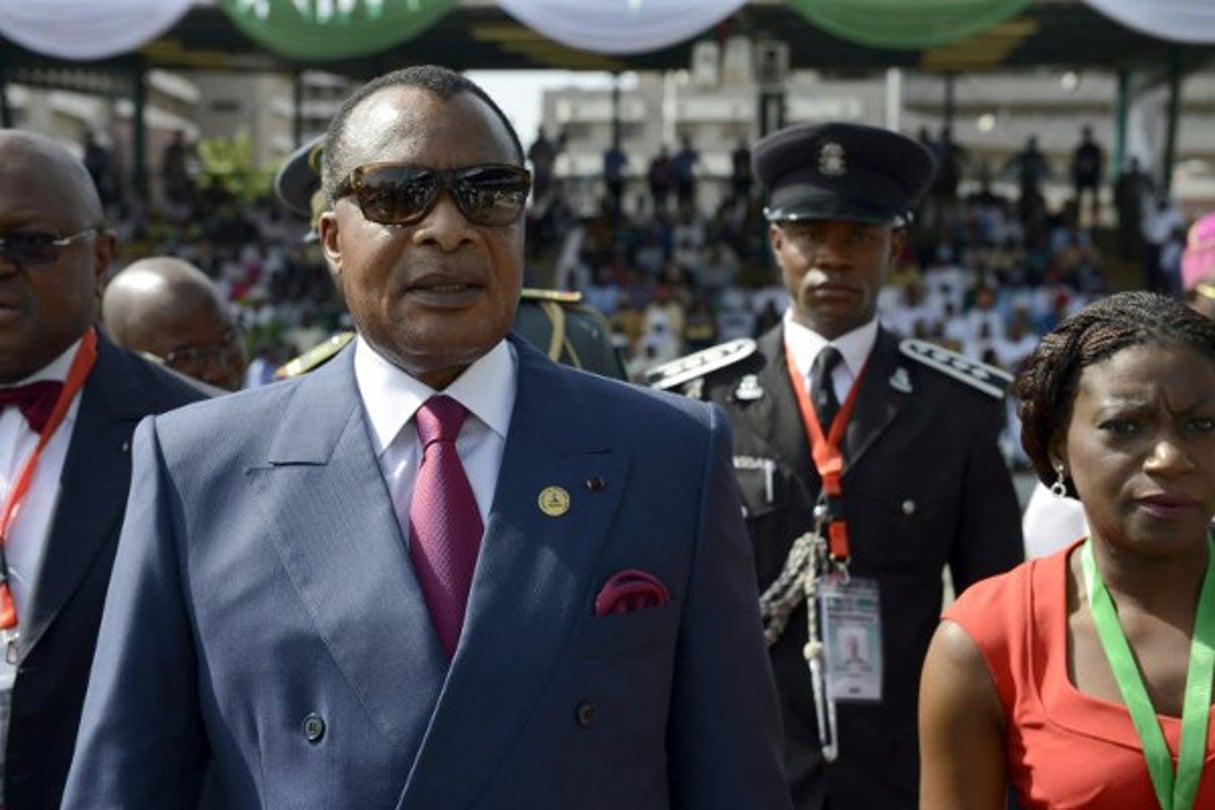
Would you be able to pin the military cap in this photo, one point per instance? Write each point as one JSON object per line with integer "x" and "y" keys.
{"x": 841, "y": 171}
{"x": 298, "y": 181}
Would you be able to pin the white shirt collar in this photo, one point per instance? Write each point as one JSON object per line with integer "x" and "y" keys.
{"x": 805, "y": 344}
{"x": 391, "y": 396}
{"x": 56, "y": 370}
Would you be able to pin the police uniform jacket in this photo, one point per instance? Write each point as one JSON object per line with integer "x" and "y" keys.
{"x": 924, "y": 487}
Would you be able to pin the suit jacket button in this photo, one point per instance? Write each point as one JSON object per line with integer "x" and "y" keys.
{"x": 588, "y": 713}
{"x": 314, "y": 728}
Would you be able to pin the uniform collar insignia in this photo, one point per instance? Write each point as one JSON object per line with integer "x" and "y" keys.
{"x": 748, "y": 389}
{"x": 831, "y": 161}
{"x": 900, "y": 380}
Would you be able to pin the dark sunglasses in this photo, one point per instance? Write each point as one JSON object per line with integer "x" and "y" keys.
{"x": 34, "y": 248}
{"x": 491, "y": 194}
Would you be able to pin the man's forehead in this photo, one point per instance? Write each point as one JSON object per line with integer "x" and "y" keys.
{"x": 398, "y": 117}
{"x": 34, "y": 166}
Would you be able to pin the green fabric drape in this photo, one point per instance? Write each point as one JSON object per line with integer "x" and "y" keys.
{"x": 906, "y": 24}
{"x": 320, "y": 30}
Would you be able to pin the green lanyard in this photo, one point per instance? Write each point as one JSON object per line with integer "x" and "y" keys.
{"x": 1173, "y": 793}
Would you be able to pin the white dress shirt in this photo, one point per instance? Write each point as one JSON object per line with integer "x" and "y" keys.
{"x": 854, "y": 347}
{"x": 391, "y": 398}
{"x": 31, "y": 524}
{"x": 25, "y": 544}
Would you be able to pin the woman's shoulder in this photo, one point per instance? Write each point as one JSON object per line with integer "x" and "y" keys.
{"x": 993, "y": 599}
{"x": 1009, "y": 614}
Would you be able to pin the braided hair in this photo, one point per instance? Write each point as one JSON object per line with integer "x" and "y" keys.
{"x": 1049, "y": 380}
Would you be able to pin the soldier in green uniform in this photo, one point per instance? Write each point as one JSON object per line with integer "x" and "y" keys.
{"x": 555, "y": 321}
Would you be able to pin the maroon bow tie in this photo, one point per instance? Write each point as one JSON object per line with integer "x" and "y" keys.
{"x": 36, "y": 400}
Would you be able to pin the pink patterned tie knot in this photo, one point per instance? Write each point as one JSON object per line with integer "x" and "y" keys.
{"x": 444, "y": 523}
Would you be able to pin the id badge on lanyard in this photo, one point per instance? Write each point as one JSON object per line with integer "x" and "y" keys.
{"x": 849, "y": 610}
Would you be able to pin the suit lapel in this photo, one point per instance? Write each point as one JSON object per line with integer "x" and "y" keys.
{"x": 883, "y": 393}
{"x": 93, "y": 487}
{"x": 330, "y": 516}
{"x": 532, "y": 582}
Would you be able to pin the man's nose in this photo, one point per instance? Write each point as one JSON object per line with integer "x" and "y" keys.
{"x": 445, "y": 225}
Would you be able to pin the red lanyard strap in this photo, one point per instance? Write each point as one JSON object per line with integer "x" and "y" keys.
{"x": 828, "y": 458}
{"x": 82, "y": 364}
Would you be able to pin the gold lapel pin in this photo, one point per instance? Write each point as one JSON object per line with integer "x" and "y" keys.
{"x": 554, "y": 501}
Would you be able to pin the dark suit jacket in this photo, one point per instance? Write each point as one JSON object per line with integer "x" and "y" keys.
{"x": 265, "y": 619}
{"x": 925, "y": 487}
{"x": 58, "y": 635}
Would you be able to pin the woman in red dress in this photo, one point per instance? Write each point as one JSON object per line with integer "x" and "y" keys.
{"x": 1083, "y": 679}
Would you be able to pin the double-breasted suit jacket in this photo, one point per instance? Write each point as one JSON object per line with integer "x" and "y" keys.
{"x": 924, "y": 487}
{"x": 55, "y": 647}
{"x": 265, "y": 621}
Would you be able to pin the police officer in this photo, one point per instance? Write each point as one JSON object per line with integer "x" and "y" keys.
{"x": 867, "y": 464}
{"x": 555, "y": 321}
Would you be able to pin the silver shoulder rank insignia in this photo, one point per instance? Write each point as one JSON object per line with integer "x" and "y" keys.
{"x": 676, "y": 372}
{"x": 748, "y": 389}
{"x": 990, "y": 380}
{"x": 695, "y": 389}
{"x": 900, "y": 380}
{"x": 831, "y": 160}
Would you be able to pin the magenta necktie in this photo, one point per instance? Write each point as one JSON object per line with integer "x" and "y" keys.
{"x": 444, "y": 524}
{"x": 35, "y": 400}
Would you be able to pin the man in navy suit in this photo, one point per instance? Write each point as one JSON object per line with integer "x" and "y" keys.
{"x": 286, "y": 617}
{"x": 70, "y": 403}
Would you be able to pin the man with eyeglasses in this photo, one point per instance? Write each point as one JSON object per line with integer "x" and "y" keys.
{"x": 69, "y": 403}
{"x": 169, "y": 311}
{"x": 441, "y": 571}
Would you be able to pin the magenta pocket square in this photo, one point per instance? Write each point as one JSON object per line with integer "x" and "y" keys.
{"x": 630, "y": 590}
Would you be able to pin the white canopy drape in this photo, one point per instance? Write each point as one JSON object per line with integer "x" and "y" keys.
{"x": 620, "y": 26}
{"x": 91, "y": 29}
{"x": 1190, "y": 22}
{"x": 72, "y": 29}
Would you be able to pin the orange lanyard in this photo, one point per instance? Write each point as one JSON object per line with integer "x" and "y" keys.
{"x": 825, "y": 450}
{"x": 82, "y": 364}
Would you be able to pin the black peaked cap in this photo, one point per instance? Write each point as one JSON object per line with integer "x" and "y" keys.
{"x": 842, "y": 171}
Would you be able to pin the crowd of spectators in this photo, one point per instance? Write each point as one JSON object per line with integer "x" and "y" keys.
{"x": 276, "y": 283}
{"x": 672, "y": 276}
{"x": 984, "y": 275}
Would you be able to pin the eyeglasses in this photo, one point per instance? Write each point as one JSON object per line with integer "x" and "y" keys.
{"x": 193, "y": 360}
{"x": 490, "y": 194}
{"x": 34, "y": 248}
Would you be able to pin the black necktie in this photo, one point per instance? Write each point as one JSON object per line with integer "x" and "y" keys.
{"x": 822, "y": 389}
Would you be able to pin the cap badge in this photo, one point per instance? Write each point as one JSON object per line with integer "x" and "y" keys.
{"x": 831, "y": 160}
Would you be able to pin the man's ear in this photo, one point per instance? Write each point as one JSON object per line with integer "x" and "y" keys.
{"x": 776, "y": 236}
{"x": 104, "y": 248}
{"x": 898, "y": 241}
{"x": 327, "y": 232}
